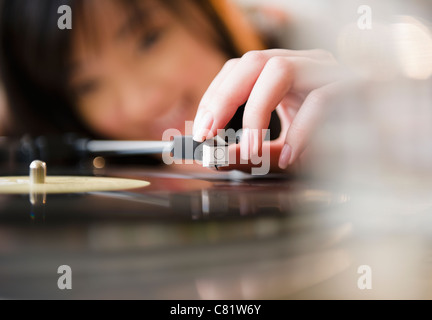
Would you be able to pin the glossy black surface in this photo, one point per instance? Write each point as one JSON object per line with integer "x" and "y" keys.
{"x": 208, "y": 235}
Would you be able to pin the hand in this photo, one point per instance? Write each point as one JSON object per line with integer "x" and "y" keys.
{"x": 297, "y": 84}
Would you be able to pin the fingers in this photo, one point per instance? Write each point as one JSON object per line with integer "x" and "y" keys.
{"x": 230, "y": 94}
{"x": 234, "y": 84}
{"x": 272, "y": 86}
{"x": 305, "y": 122}
{"x": 226, "y": 69}
{"x": 266, "y": 80}
{"x": 279, "y": 76}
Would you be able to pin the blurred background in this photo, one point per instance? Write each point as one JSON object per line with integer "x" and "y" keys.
{"x": 371, "y": 167}
{"x": 383, "y": 126}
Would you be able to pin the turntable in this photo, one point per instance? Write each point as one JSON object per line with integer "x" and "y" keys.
{"x": 133, "y": 231}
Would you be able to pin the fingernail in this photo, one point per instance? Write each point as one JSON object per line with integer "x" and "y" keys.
{"x": 245, "y": 144}
{"x": 202, "y": 127}
{"x": 285, "y": 156}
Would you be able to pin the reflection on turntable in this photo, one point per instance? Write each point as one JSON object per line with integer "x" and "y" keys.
{"x": 153, "y": 194}
{"x": 184, "y": 235}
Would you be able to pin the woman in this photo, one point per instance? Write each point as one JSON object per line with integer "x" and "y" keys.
{"x": 132, "y": 69}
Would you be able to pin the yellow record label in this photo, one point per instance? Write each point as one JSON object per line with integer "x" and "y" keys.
{"x": 54, "y": 184}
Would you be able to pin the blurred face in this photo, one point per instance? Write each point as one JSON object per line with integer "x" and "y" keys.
{"x": 136, "y": 75}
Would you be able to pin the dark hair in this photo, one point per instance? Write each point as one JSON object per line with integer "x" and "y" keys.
{"x": 33, "y": 62}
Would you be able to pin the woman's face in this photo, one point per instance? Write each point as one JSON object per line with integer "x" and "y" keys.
{"x": 135, "y": 76}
